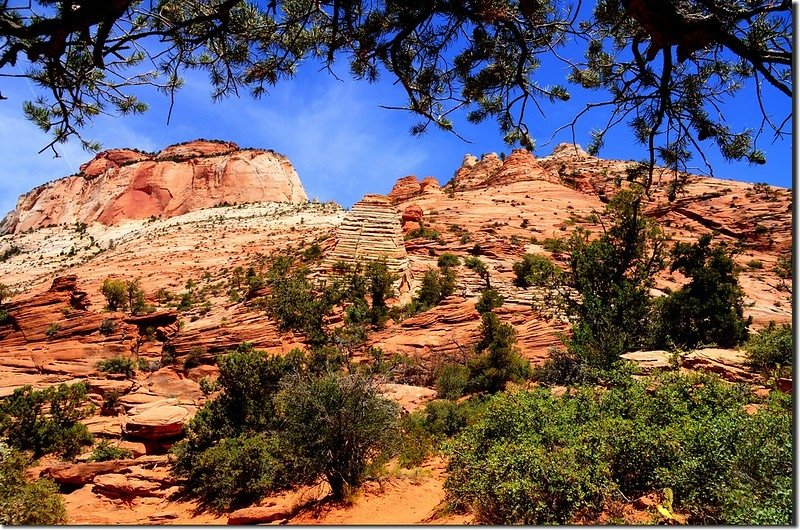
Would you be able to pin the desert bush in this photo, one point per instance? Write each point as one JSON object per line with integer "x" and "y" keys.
{"x": 336, "y": 425}
{"x": 104, "y": 451}
{"x": 423, "y": 232}
{"x": 480, "y": 268}
{"x": 771, "y": 347}
{"x": 48, "y": 420}
{"x": 688, "y": 433}
{"x": 116, "y": 294}
{"x": 416, "y": 444}
{"x": 107, "y": 326}
{"x": 554, "y": 245}
{"x": 562, "y": 368}
{"x": 755, "y": 264}
{"x": 448, "y": 259}
{"x": 117, "y": 365}
{"x": 451, "y": 380}
{"x": 535, "y": 270}
{"x": 26, "y": 503}
{"x": 489, "y": 299}
{"x": 436, "y": 285}
{"x": 498, "y": 360}
{"x": 52, "y": 330}
{"x": 238, "y": 471}
{"x": 613, "y": 275}
{"x": 5, "y": 293}
{"x": 708, "y": 309}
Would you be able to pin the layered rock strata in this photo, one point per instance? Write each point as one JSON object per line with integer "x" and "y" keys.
{"x": 370, "y": 231}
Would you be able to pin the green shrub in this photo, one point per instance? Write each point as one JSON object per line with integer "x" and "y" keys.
{"x": 755, "y": 264}
{"x": 5, "y": 293}
{"x": 416, "y": 444}
{"x": 498, "y": 360}
{"x": 451, "y": 380}
{"x": 423, "y": 232}
{"x": 117, "y": 365}
{"x": 535, "y": 270}
{"x": 554, "y": 245}
{"x": 480, "y": 268}
{"x": 436, "y": 285}
{"x": 5, "y": 318}
{"x": 489, "y": 299}
{"x": 536, "y": 459}
{"x": 238, "y": 471}
{"x": 52, "y": 330}
{"x": 783, "y": 267}
{"x": 448, "y": 259}
{"x": 336, "y": 425}
{"x": 563, "y": 368}
{"x": 709, "y": 309}
{"x": 116, "y": 294}
{"x": 108, "y": 326}
{"x": 193, "y": 357}
{"x": 26, "y": 503}
{"x": 104, "y": 451}
{"x": 48, "y": 420}
{"x": 771, "y": 347}
{"x": 613, "y": 275}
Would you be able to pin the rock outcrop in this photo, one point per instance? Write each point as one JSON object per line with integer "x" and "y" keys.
{"x": 370, "y": 231}
{"x": 123, "y": 184}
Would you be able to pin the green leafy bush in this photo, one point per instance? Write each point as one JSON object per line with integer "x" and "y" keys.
{"x": 117, "y": 365}
{"x": 107, "y": 326}
{"x": 554, "y": 245}
{"x": 771, "y": 347}
{"x": 538, "y": 459}
{"x": 451, "y": 380}
{"x": 238, "y": 471}
{"x": 116, "y": 294}
{"x": 498, "y": 360}
{"x": 423, "y": 232}
{"x": 26, "y": 503}
{"x": 436, "y": 285}
{"x": 336, "y": 425}
{"x": 489, "y": 299}
{"x": 480, "y": 268}
{"x": 535, "y": 270}
{"x": 282, "y": 421}
{"x": 448, "y": 259}
{"x": 104, "y": 451}
{"x": 709, "y": 309}
{"x": 48, "y": 420}
{"x": 613, "y": 275}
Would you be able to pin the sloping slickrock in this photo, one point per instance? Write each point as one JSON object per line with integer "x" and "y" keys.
{"x": 152, "y": 421}
{"x": 649, "y": 361}
{"x": 84, "y": 473}
{"x": 728, "y": 364}
{"x": 371, "y": 230}
{"x": 409, "y": 397}
{"x": 121, "y": 185}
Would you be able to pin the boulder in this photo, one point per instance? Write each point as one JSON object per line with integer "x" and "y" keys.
{"x": 260, "y": 514}
{"x": 157, "y": 420}
{"x": 412, "y": 213}
{"x": 116, "y": 486}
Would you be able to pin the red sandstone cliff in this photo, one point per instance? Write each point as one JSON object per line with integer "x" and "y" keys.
{"x": 123, "y": 184}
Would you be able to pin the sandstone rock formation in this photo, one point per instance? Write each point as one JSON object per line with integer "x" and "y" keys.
{"x": 370, "y": 231}
{"x": 495, "y": 209}
{"x": 122, "y": 184}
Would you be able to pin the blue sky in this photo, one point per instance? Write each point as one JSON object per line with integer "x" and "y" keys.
{"x": 339, "y": 140}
